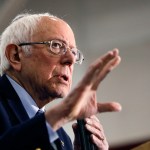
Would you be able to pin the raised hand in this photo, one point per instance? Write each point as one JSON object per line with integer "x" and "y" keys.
{"x": 82, "y": 102}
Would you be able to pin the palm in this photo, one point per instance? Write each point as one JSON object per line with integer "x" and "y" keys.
{"x": 82, "y": 100}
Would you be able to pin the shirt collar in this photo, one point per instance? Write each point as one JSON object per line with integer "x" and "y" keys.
{"x": 27, "y": 101}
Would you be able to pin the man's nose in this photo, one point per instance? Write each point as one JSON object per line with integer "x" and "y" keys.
{"x": 68, "y": 58}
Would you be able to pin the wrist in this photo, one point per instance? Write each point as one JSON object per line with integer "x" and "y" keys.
{"x": 57, "y": 116}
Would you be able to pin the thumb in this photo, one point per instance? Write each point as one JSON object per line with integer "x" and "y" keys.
{"x": 109, "y": 107}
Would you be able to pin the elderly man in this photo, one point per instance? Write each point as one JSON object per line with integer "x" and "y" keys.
{"x": 37, "y": 55}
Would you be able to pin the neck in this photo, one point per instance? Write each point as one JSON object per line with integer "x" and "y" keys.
{"x": 39, "y": 102}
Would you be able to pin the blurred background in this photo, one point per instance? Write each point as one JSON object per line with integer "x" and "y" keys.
{"x": 99, "y": 26}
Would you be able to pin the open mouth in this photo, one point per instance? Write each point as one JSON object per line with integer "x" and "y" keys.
{"x": 64, "y": 77}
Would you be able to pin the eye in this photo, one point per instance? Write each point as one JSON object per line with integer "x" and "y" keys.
{"x": 56, "y": 47}
{"x": 56, "y": 44}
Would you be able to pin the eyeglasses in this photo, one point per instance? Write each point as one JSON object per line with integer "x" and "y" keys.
{"x": 58, "y": 47}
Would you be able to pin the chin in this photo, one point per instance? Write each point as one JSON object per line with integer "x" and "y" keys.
{"x": 62, "y": 94}
{"x": 59, "y": 93}
{"x": 56, "y": 91}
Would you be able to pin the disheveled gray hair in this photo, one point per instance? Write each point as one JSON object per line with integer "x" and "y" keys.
{"x": 20, "y": 30}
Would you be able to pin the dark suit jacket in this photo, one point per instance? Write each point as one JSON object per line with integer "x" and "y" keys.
{"x": 17, "y": 130}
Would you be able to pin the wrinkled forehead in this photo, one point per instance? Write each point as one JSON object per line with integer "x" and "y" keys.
{"x": 50, "y": 28}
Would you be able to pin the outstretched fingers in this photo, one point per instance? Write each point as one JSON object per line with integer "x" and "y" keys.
{"x": 100, "y": 68}
{"x": 108, "y": 64}
{"x": 108, "y": 107}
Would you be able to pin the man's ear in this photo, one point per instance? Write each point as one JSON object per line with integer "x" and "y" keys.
{"x": 13, "y": 55}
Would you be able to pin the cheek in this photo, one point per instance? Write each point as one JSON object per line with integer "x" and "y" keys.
{"x": 45, "y": 66}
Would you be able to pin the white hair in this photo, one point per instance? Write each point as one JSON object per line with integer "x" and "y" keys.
{"x": 20, "y": 30}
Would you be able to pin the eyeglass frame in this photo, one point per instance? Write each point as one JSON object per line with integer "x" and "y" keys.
{"x": 49, "y": 43}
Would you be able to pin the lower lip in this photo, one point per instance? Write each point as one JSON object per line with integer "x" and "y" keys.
{"x": 61, "y": 80}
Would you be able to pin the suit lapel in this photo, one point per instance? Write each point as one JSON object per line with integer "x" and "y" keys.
{"x": 12, "y": 99}
{"x": 64, "y": 140}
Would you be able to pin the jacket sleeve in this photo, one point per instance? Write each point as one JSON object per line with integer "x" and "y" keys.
{"x": 28, "y": 135}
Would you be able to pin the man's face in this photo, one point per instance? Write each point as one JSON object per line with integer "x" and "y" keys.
{"x": 45, "y": 75}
